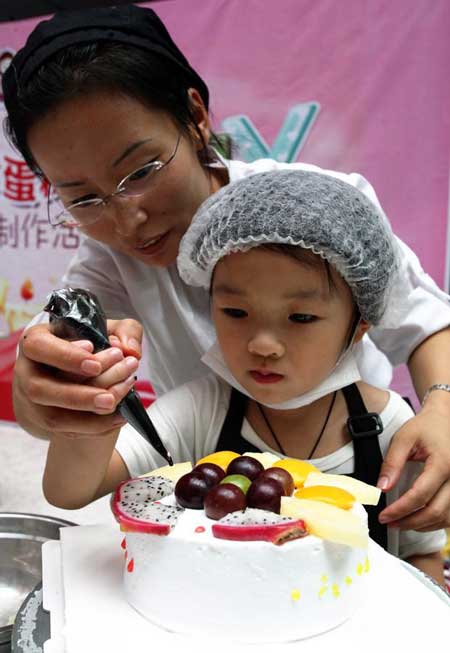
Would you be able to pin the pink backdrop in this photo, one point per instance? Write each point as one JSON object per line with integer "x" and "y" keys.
{"x": 352, "y": 86}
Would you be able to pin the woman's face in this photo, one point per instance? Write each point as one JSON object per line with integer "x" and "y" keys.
{"x": 89, "y": 144}
{"x": 281, "y": 326}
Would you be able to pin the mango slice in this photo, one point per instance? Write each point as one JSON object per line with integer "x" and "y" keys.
{"x": 221, "y": 458}
{"x": 335, "y": 496}
{"x": 299, "y": 469}
{"x": 363, "y": 493}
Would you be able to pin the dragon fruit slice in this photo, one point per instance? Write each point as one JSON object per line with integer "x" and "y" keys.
{"x": 255, "y": 524}
{"x": 135, "y": 506}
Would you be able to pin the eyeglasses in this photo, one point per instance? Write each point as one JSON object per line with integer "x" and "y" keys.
{"x": 87, "y": 212}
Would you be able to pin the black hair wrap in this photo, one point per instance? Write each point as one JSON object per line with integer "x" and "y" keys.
{"x": 137, "y": 26}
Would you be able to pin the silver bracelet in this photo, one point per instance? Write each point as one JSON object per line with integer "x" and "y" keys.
{"x": 436, "y": 386}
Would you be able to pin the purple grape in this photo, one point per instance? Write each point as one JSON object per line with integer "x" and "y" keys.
{"x": 282, "y": 476}
{"x": 222, "y": 499}
{"x": 211, "y": 472}
{"x": 265, "y": 494}
{"x": 191, "y": 490}
{"x": 245, "y": 465}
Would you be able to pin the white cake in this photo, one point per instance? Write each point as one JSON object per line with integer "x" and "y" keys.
{"x": 189, "y": 581}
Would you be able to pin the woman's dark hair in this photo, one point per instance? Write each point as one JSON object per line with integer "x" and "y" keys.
{"x": 105, "y": 66}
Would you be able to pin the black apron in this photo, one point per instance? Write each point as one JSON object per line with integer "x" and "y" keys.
{"x": 363, "y": 427}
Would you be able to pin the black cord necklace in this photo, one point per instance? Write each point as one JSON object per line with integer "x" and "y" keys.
{"x": 318, "y": 437}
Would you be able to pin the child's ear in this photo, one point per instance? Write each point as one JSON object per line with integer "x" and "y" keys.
{"x": 361, "y": 329}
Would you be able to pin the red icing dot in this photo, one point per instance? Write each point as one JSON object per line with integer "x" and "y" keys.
{"x": 130, "y": 565}
{"x": 200, "y": 529}
{"x": 123, "y": 544}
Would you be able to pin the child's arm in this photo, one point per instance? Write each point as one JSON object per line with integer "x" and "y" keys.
{"x": 80, "y": 470}
{"x": 430, "y": 564}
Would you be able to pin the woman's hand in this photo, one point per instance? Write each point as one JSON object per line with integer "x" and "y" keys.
{"x": 426, "y": 437}
{"x": 62, "y": 387}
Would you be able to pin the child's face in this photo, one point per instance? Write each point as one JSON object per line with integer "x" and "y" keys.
{"x": 280, "y": 325}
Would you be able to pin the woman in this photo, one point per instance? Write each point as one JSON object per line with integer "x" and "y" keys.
{"x": 105, "y": 107}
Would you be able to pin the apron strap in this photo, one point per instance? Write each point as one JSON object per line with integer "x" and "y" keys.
{"x": 364, "y": 429}
{"x": 230, "y": 438}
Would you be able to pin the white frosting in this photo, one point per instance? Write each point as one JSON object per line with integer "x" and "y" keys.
{"x": 191, "y": 582}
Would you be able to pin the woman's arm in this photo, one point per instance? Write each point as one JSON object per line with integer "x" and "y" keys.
{"x": 426, "y": 437}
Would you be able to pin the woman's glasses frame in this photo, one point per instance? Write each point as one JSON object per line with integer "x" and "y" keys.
{"x": 65, "y": 216}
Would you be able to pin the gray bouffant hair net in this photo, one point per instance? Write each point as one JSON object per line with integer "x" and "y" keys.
{"x": 311, "y": 210}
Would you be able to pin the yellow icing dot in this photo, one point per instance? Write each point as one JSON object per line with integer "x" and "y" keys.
{"x": 366, "y": 565}
{"x": 324, "y": 579}
{"x": 323, "y": 590}
{"x": 359, "y": 568}
{"x": 348, "y": 580}
{"x": 295, "y": 595}
{"x": 335, "y": 590}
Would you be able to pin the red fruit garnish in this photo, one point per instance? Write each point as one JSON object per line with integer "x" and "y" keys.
{"x": 211, "y": 472}
{"x": 275, "y": 533}
{"x": 223, "y": 499}
{"x": 265, "y": 494}
{"x": 191, "y": 490}
{"x": 280, "y": 475}
{"x": 245, "y": 465}
{"x": 135, "y": 507}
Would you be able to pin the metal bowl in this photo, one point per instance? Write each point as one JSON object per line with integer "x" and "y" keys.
{"x": 21, "y": 538}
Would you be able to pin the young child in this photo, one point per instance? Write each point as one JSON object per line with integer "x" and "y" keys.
{"x": 299, "y": 266}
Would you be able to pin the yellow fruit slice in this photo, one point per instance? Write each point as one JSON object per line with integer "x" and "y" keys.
{"x": 363, "y": 493}
{"x": 221, "y": 458}
{"x": 266, "y": 459}
{"x": 298, "y": 469}
{"x": 328, "y": 522}
{"x": 172, "y": 472}
{"x": 335, "y": 496}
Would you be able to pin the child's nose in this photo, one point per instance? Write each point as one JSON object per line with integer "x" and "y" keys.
{"x": 267, "y": 345}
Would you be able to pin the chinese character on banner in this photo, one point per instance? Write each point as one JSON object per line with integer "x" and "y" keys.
{"x": 19, "y": 181}
{"x": 21, "y": 186}
{"x": 66, "y": 237}
{"x": 32, "y": 231}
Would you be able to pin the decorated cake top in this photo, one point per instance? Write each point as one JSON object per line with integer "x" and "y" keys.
{"x": 253, "y": 497}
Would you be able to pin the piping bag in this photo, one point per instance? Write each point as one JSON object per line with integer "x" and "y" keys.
{"x": 76, "y": 314}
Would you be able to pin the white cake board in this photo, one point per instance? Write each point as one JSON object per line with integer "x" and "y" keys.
{"x": 89, "y": 612}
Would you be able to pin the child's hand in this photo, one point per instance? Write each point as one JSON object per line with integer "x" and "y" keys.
{"x": 426, "y": 505}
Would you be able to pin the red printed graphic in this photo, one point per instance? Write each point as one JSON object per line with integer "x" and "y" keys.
{"x": 26, "y": 290}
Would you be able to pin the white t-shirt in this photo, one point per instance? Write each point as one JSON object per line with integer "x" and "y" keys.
{"x": 176, "y": 317}
{"x": 189, "y": 420}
